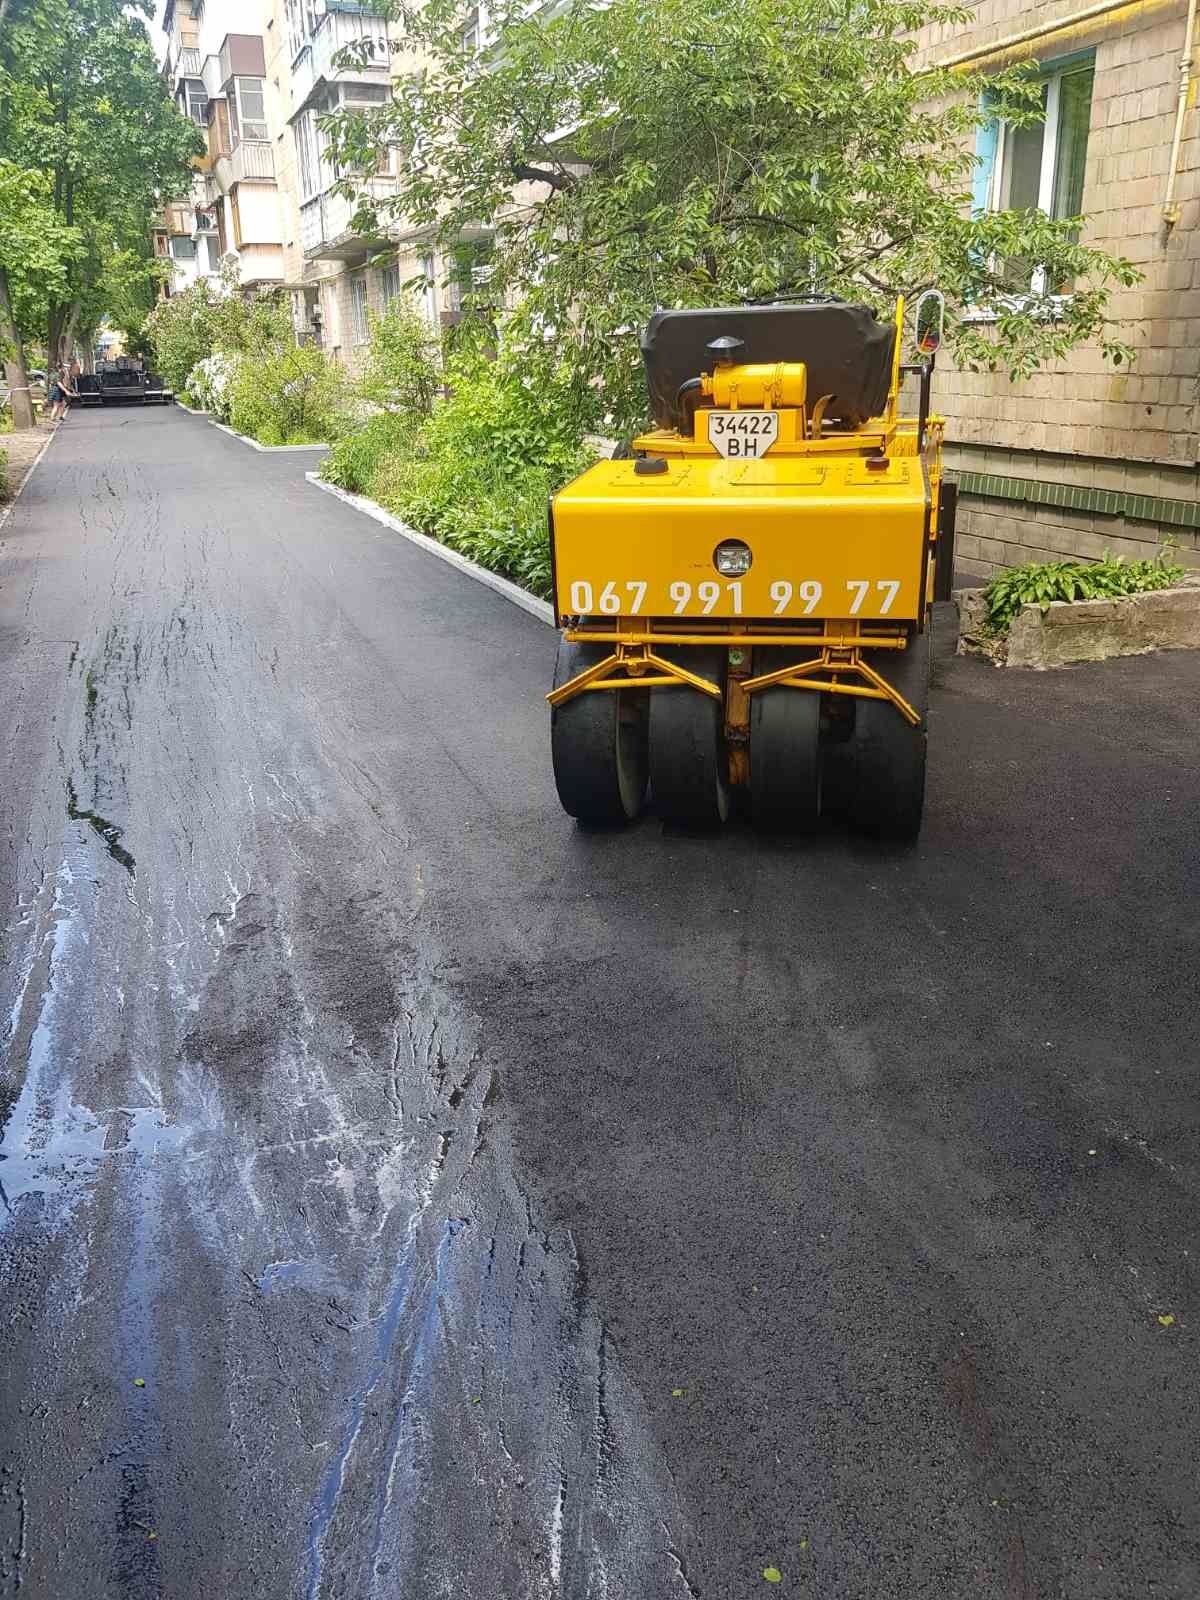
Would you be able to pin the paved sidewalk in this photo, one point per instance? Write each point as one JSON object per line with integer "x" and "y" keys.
{"x": 22, "y": 450}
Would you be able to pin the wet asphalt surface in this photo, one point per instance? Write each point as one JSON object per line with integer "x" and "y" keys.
{"x": 405, "y": 1194}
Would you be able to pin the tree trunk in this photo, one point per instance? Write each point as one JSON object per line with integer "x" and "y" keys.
{"x": 54, "y": 328}
{"x": 18, "y": 378}
{"x": 68, "y": 336}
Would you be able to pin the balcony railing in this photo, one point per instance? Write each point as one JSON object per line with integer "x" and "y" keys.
{"x": 334, "y": 32}
{"x": 325, "y": 221}
{"x": 188, "y": 64}
{"x": 252, "y": 158}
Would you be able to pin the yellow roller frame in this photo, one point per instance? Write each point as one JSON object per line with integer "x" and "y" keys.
{"x": 644, "y": 668}
{"x": 638, "y": 660}
{"x": 836, "y": 661}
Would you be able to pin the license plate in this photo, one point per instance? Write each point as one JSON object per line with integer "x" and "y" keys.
{"x": 742, "y": 435}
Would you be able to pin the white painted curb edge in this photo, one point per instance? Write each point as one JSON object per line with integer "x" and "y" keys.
{"x": 33, "y": 466}
{"x": 511, "y": 591}
{"x": 267, "y": 449}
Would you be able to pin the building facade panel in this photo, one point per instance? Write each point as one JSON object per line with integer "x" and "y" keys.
{"x": 1138, "y": 429}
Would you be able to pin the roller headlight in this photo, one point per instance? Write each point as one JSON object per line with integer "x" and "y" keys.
{"x": 732, "y": 558}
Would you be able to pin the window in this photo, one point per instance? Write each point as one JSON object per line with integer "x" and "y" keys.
{"x": 390, "y": 282}
{"x": 359, "y": 94}
{"x": 429, "y": 288}
{"x": 212, "y": 254}
{"x": 359, "y": 328}
{"x": 306, "y": 155}
{"x": 247, "y": 112}
{"x": 469, "y": 276}
{"x": 197, "y": 102}
{"x": 1041, "y": 165}
{"x": 183, "y": 249}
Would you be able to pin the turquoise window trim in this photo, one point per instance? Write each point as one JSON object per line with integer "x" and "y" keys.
{"x": 987, "y": 142}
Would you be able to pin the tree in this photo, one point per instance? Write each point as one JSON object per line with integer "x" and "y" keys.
{"x": 35, "y": 252}
{"x": 83, "y": 110}
{"x": 636, "y": 153}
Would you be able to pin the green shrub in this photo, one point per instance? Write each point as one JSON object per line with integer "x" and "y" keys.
{"x": 1043, "y": 582}
{"x": 495, "y": 519}
{"x": 284, "y": 393}
{"x": 479, "y": 471}
{"x": 356, "y": 457}
{"x": 403, "y": 366}
{"x": 3, "y": 475}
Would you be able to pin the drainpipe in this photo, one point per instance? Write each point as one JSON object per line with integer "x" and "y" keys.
{"x": 1171, "y": 209}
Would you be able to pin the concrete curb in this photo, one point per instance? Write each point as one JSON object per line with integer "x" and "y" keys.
{"x": 7, "y": 511}
{"x": 267, "y": 449}
{"x": 511, "y": 591}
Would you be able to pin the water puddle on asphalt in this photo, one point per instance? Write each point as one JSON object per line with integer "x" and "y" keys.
{"x": 51, "y": 1144}
{"x": 450, "y": 1414}
{"x": 108, "y": 831}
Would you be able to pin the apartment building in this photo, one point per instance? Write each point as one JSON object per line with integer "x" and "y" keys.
{"x": 1086, "y": 458}
{"x": 334, "y": 273}
{"x": 264, "y": 193}
{"x": 337, "y": 276}
{"x": 216, "y": 76}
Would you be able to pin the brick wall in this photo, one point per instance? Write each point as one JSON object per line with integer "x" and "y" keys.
{"x": 1085, "y": 419}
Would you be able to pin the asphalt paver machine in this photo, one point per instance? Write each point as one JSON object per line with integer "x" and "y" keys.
{"x": 744, "y": 600}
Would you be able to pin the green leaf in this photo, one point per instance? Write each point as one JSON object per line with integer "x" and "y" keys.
{"x": 772, "y": 1575}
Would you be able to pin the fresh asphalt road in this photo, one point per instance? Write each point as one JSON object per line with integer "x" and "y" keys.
{"x": 406, "y": 1194}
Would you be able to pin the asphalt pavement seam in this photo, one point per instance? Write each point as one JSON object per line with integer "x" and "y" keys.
{"x": 510, "y": 591}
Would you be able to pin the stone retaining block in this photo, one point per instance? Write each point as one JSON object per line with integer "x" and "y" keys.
{"x": 1089, "y": 630}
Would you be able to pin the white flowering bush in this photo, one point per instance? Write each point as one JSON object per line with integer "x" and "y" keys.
{"x": 210, "y": 385}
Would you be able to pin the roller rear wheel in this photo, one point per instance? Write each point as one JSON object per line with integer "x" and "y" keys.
{"x": 689, "y": 767}
{"x": 598, "y": 744}
{"x": 888, "y": 753}
{"x": 785, "y": 754}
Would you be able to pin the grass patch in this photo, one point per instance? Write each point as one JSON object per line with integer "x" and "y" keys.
{"x": 1041, "y": 583}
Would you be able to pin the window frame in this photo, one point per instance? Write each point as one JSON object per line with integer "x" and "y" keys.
{"x": 429, "y": 302}
{"x": 308, "y": 161}
{"x": 240, "y": 124}
{"x": 196, "y": 99}
{"x": 360, "y": 327}
{"x": 992, "y": 148}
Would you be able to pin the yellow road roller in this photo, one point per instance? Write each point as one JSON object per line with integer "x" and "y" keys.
{"x": 744, "y": 599}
